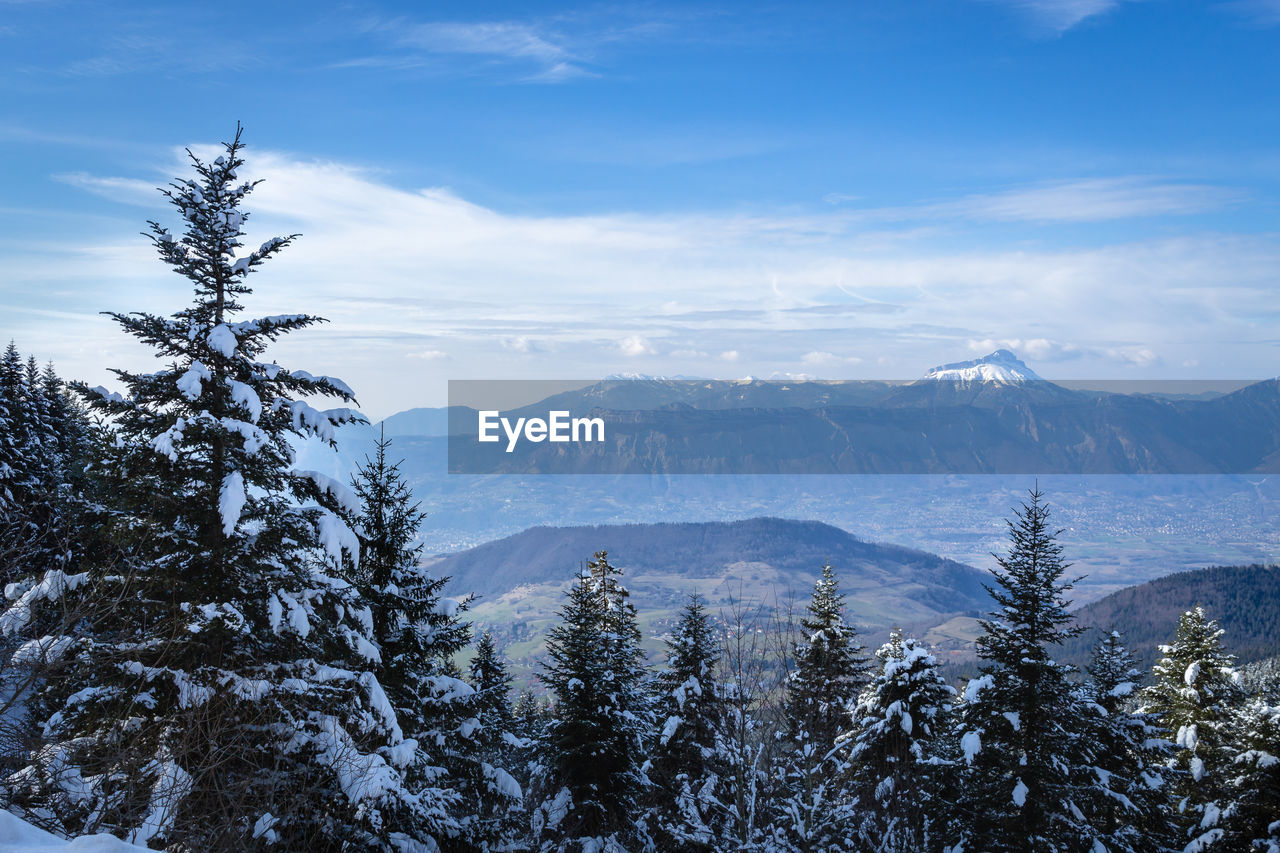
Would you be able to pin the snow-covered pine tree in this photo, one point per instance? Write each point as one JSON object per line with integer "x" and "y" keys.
{"x": 898, "y": 723}
{"x": 13, "y": 423}
{"x": 45, "y": 442}
{"x": 1125, "y": 786}
{"x": 1252, "y": 820}
{"x": 689, "y": 805}
{"x": 1195, "y": 695}
{"x": 1021, "y": 719}
{"x": 227, "y": 699}
{"x": 419, "y": 631}
{"x": 501, "y": 800}
{"x": 589, "y": 777}
{"x": 830, "y": 670}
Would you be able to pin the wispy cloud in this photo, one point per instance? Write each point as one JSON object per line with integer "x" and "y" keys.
{"x": 1259, "y": 13}
{"x": 1082, "y": 200}
{"x": 1058, "y": 16}
{"x": 533, "y": 53}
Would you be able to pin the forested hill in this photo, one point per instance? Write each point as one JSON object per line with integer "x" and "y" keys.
{"x": 794, "y": 549}
{"x": 1244, "y": 599}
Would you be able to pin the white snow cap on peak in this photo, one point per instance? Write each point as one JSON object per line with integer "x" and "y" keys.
{"x": 1000, "y": 366}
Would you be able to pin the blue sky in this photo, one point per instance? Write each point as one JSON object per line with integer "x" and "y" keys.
{"x": 556, "y": 190}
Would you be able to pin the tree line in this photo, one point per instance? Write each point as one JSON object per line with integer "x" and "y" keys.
{"x": 204, "y": 647}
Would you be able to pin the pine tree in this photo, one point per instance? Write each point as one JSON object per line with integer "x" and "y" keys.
{"x": 830, "y": 671}
{"x": 12, "y": 426}
{"x": 226, "y": 697}
{"x": 899, "y": 722}
{"x": 501, "y": 795}
{"x": 1252, "y": 819}
{"x": 589, "y": 776}
{"x": 1124, "y": 787}
{"x": 492, "y": 682}
{"x": 419, "y": 632}
{"x": 1195, "y": 696}
{"x": 1020, "y": 726}
{"x": 690, "y": 766}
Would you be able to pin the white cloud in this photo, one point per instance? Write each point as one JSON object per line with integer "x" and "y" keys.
{"x": 1035, "y": 349}
{"x": 822, "y": 358}
{"x": 635, "y": 345}
{"x": 729, "y": 355}
{"x": 429, "y": 354}
{"x": 403, "y": 272}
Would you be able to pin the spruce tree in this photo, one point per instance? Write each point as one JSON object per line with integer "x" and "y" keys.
{"x": 501, "y": 795}
{"x": 690, "y": 771}
{"x": 898, "y": 725}
{"x": 225, "y": 697}
{"x": 1020, "y": 723}
{"x": 1195, "y": 695}
{"x": 419, "y": 632}
{"x": 1252, "y": 819}
{"x": 830, "y": 671}
{"x": 588, "y": 779}
{"x": 490, "y": 679}
{"x": 1125, "y": 786}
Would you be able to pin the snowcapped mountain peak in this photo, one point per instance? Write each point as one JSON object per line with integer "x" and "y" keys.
{"x": 1001, "y": 366}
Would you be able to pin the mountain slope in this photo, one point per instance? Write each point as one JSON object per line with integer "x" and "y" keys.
{"x": 1244, "y": 599}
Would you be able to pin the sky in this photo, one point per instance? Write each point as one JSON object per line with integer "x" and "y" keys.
{"x": 555, "y": 190}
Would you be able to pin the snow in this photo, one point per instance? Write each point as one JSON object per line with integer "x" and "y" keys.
{"x": 50, "y": 588}
{"x": 166, "y": 443}
{"x": 503, "y": 782}
{"x": 222, "y": 340}
{"x": 1187, "y": 737}
{"x": 231, "y": 500}
{"x": 447, "y": 607}
{"x": 245, "y": 397}
{"x": 339, "y": 491}
{"x": 1192, "y": 673}
{"x": 262, "y": 828}
{"x": 381, "y": 705}
{"x": 191, "y": 382}
{"x": 17, "y": 836}
{"x": 47, "y": 649}
{"x": 971, "y": 744}
{"x": 336, "y": 537}
{"x": 976, "y": 686}
{"x": 1197, "y": 768}
{"x": 669, "y": 730}
{"x": 1019, "y": 794}
{"x": 170, "y": 789}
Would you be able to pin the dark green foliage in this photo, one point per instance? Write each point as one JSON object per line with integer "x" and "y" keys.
{"x": 588, "y": 781}
{"x": 1125, "y": 787}
{"x": 218, "y": 693}
{"x": 830, "y": 668}
{"x": 812, "y": 812}
{"x": 1018, "y": 790}
{"x": 895, "y": 764}
{"x": 690, "y": 771}
{"x": 1195, "y": 695}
